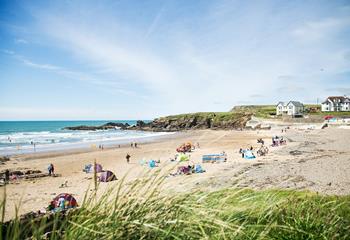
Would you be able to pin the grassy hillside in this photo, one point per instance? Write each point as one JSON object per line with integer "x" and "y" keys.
{"x": 142, "y": 212}
{"x": 216, "y": 116}
{"x": 262, "y": 111}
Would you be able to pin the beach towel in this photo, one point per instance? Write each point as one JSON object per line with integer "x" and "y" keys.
{"x": 183, "y": 158}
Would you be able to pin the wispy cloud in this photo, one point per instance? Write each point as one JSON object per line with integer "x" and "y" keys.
{"x": 191, "y": 56}
{"x": 21, "y": 41}
{"x": 75, "y": 75}
{"x": 321, "y": 29}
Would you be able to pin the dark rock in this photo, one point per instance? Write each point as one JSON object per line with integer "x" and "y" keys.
{"x": 107, "y": 126}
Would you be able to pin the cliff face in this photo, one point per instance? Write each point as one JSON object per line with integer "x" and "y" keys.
{"x": 211, "y": 120}
{"x": 196, "y": 121}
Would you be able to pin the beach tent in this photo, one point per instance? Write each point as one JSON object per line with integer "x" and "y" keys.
{"x": 90, "y": 168}
{"x": 183, "y": 170}
{"x": 214, "y": 158}
{"x": 107, "y": 176}
{"x": 183, "y": 157}
{"x": 152, "y": 164}
{"x": 198, "y": 169}
{"x": 248, "y": 154}
{"x": 63, "y": 201}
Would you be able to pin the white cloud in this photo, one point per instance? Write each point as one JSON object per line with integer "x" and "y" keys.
{"x": 21, "y": 41}
{"x": 192, "y": 62}
{"x": 321, "y": 29}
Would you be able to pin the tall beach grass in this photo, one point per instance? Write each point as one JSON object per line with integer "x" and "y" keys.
{"x": 142, "y": 210}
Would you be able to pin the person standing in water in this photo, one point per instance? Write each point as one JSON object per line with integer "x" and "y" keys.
{"x": 127, "y": 158}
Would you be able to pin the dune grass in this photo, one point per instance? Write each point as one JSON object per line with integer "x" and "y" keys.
{"x": 141, "y": 210}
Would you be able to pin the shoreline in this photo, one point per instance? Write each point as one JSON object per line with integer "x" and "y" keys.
{"x": 80, "y": 146}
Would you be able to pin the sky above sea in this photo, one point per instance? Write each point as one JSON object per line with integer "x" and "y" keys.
{"x": 144, "y": 59}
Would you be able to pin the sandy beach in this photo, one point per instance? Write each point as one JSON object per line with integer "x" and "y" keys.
{"x": 313, "y": 159}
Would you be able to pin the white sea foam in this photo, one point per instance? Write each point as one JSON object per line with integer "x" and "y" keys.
{"x": 23, "y": 142}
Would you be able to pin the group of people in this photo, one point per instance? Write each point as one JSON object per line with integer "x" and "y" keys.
{"x": 276, "y": 141}
{"x": 133, "y": 144}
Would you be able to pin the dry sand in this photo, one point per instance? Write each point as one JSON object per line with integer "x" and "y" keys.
{"x": 316, "y": 160}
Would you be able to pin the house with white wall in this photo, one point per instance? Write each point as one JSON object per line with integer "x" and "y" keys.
{"x": 292, "y": 108}
{"x": 336, "y": 104}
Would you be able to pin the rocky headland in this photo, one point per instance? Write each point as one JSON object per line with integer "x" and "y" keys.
{"x": 210, "y": 120}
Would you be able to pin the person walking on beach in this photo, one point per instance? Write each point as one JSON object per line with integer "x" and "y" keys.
{"x": 135, "y": 144}
{"x": 51, "y": 169}
{"x": 132, "y": 144}
{"x": 7, "y": 176}
{"x": 127, "y": 158}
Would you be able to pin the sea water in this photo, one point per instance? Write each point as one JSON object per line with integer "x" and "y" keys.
{"x": 18, "y": 137}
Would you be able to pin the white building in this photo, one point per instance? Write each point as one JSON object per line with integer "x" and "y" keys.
{"x": 336, "y": 104}
{"x": 292, "y": 108}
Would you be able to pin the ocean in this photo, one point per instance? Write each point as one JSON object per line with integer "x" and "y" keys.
{"x": 18, "y": 137}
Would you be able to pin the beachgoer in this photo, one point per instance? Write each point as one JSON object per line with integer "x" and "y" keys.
{"x": 61, "y": 203}
{"x": 242, "y": 154}
{"x": 132, "y": 145}
{"x": 49, "y": 168}
{"x": 240, "y": 150}
{"x": 135, "y": 145}
{"x": 251, "y": 148}
{"x": 7, "y": 176}
{"x": 52, "y": 169}
{"x": 128, "y": 158}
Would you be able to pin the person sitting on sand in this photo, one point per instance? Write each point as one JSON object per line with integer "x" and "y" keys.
{"x": 128, "y": 158}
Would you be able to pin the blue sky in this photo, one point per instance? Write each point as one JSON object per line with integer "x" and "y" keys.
{"x": 144, "y": 59}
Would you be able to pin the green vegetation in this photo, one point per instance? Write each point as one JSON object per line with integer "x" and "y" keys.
{"x": 142, "y": 211}
{"x": 262, "y": 111}
{"x": 215, "y": 116}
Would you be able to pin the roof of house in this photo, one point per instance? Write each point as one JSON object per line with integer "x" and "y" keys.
{"x": 296, "y": 103}
{"x": 280, "y": 103}
{"x": 340, "y": 99}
